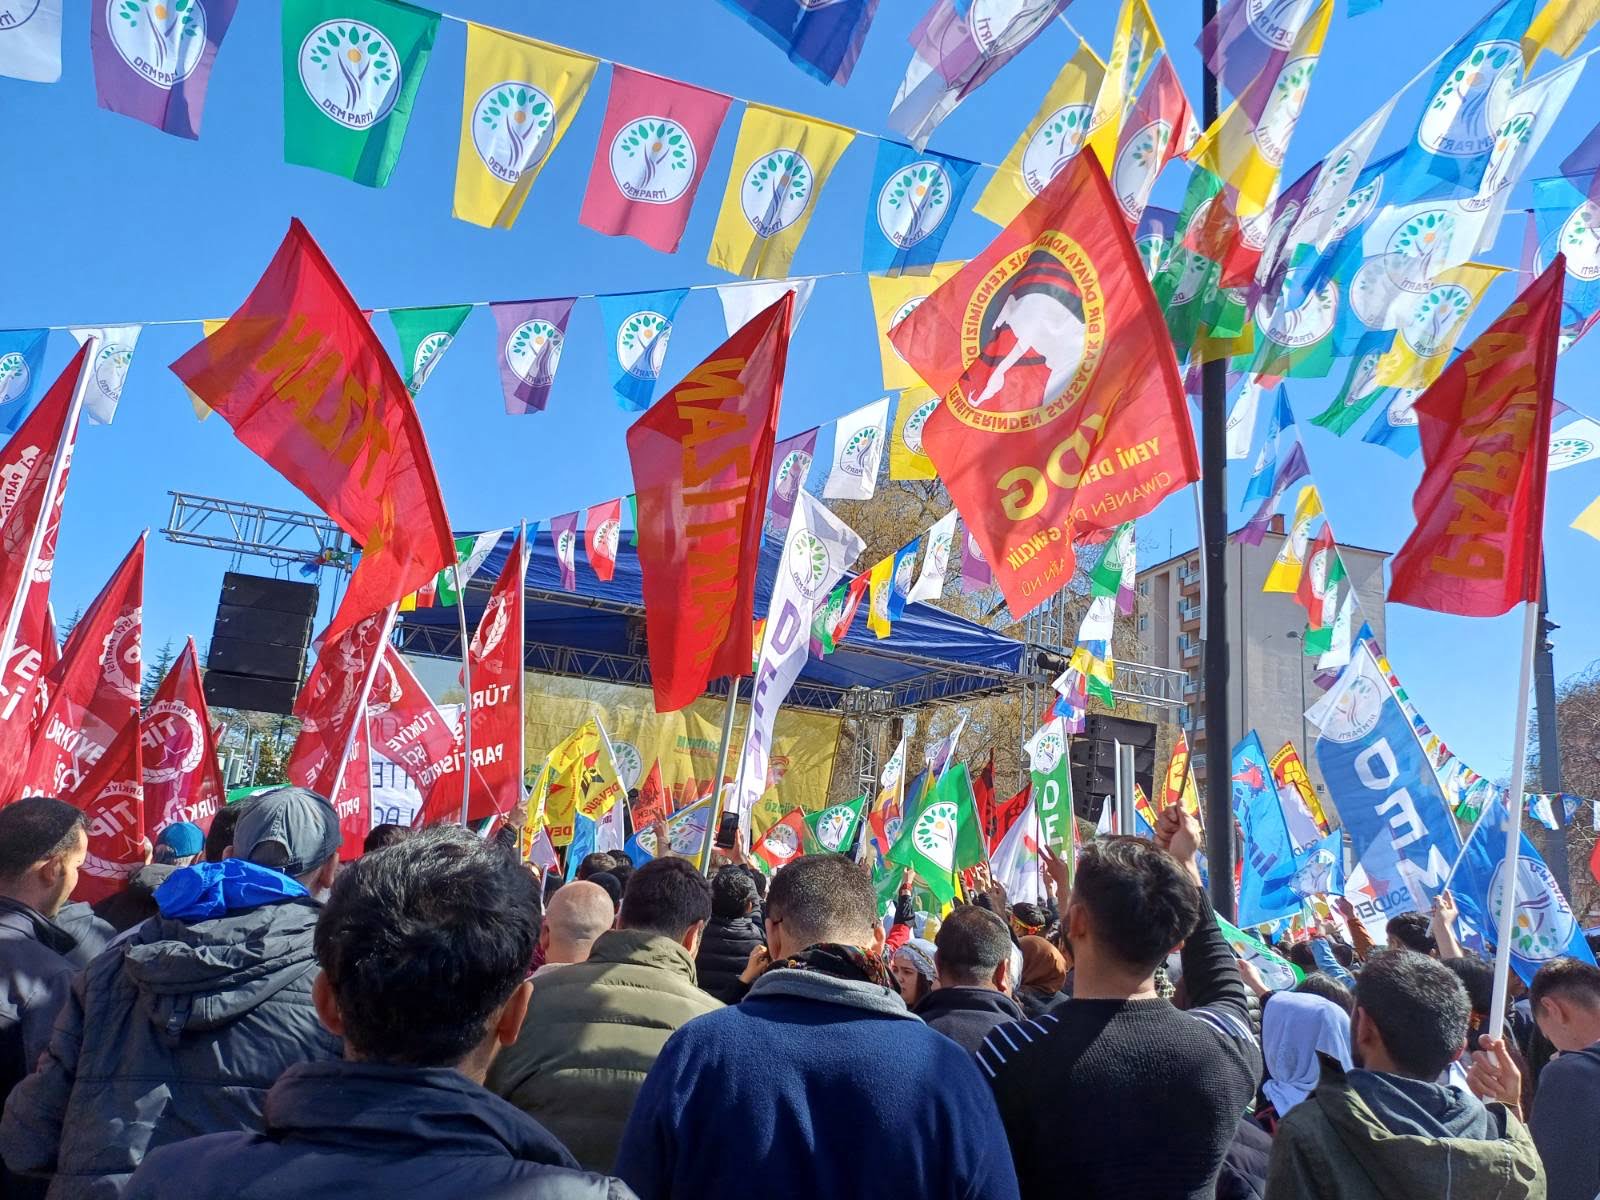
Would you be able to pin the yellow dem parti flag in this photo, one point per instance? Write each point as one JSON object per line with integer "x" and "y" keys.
{"x": 1133, "y": 49}
{"x": 893, "y": 299}
{"x": 907, "y": 458}
{"x": 1431, "y": 324}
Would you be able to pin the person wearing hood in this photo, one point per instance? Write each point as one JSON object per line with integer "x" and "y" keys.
{"x": 1385, "y": 1130}
{"x": 1296, "y": 1028}
{"x": 179, "y": 844}
{"x": 445, "y": 921}
{"x": 733, "y": 932}
{"x": 180, "y": 1028}
{"x": 1044, "y": 976}
{"x": 973, "y": 961}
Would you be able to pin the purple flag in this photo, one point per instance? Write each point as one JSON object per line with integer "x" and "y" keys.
{"x": 1250, "y": 40}
{"x": 975, "y": 573}
{"x": 1291, "y": 470}
{"x": 822, "y": 38}
{"x": 152, "y": 58}
{"x": 564, "y": 533}
{"x": 791, "y": 462}
{"x": 531, "y": 336}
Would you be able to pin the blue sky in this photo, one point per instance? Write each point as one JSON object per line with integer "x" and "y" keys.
{"x": 108, "y": 221}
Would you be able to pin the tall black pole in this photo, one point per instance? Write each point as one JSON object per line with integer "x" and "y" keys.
{"x": 1544, "y": 696}
{"x": 1214, "y": 548}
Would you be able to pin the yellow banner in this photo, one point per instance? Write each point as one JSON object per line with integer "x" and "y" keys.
{"x": 520, "y": 96}
{"x": 1285, "y": 573}
{"x": 1133, "y": 48}
{"x": 893, "y": 298}
{"x": 1431, "y": 324}
{"x": 202, "y": 410}
{"x": 1558, "y": 28}
{"x": 907, "y": 459}
{"x": 780, "y": 164}
{"x": 1047, "y": 142}
{"x": 879, "y": 585}
{"x": 561, "y": 803}
{"x": 1588, "y": 521}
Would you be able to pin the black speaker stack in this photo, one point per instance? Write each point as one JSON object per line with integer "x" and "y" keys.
{"x": 259, "y": 641}
{"x": 1094, "y": 760}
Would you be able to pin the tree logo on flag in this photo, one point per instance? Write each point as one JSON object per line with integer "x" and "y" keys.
{"x": 173, "y": 740}
{"x": 1276, "y": 22}
{"x": 1053, "y": 144}
{"x": 939, "y": 552}
{"x": 1564, "y": 452}
{"x": 1416, "y": 246}
{"x": 161, "y": 40}
{"x": 1363, "y": 379}
{"x": 533, "y": 350}
{"x": 1461, "y": 119}
{"x": 776, "y": 191}
{"x": 791, "y": 474}
{"x": 834, "y": 826}
{"x": 903, "y": 574}
{"x": 642, "y": 343}
{"x": 1505, "y": 159}
{"x": 567, "y": 549}
{"x": 629, "y": 765}
{"x": 351, "y": 72}
{"x": 1580, "y": 241}
{"x": 429, "y": 351}
{"x": 607, "y": 537}
{"x": 911, "y": 435}
{"x": 511, "y": 126}
{"x": 1355, "y": 714}
{"x": 1327, "y": 180}
{"x": 781, "y": 843}
{"x": 1192, "y": 270}
{"x": 1134, "y": 173}
{"x": 111, "y": 369}
{"x": 913, "y": 203}
{"x": 1357, "y": 207}
{"x": 1431, "y": 326}
{"x": 934, "y": 834}
{"x": 1032, "y": 336}
{"x": 1273, "y": 130}
{"x": 1277, "y": 234}
{"x": 1151, "y": 247}
{"x": 900, "y": 314}
{"x": 1309, "y": 322}
{"x": 652, "y": 160}
{"x": 15, "y": 377}
{"x": 119, "y": 656}
{"x": 1403, "y": 412}
{"x": 857, "y": 456}
{"x": 807, "y": 561}
{"x": 1001, "y": 25}
{"x": 1543, "y": 925}
{"x": 1045, "y": 751}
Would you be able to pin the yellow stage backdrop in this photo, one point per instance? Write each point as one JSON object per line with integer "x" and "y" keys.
{"x": 685, "y": 743}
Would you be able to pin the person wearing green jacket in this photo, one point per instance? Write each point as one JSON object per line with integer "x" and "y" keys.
{"x": 1386, "y": 1130}
{"x": 595, "y": 1028}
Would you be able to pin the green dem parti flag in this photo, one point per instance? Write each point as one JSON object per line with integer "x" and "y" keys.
{"x": 942, "y": 837}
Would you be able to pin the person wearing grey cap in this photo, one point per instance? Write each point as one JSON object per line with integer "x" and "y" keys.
{"x": 182, "y": 1027}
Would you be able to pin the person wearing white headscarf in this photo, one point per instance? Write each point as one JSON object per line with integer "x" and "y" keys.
{"x": 913, "y": 969}
{"x": 1295, "y": 1027}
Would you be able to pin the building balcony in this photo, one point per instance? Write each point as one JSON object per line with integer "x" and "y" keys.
{"x": 1189, "y": 612}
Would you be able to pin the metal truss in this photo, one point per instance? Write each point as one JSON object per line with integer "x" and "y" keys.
{"x": 257, "y": 531}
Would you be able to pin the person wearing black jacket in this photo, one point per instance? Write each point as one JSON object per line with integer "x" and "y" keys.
{"x": 1065, "y": 1082}
{"x": 732, "y": 933}
{"x": 973, "y": 962}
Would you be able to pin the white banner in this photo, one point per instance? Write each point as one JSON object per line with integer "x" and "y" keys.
{"x": 109, "y": 370}
{"x": 858, "y": 441}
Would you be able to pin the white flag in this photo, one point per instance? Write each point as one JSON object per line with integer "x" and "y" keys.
{"x": 820, "y": 548}
{"x": 741, "y": 302}
{"x": 858, "y": 441}
{"x": 1242, "y": 418}
{"x": 935, "y": 560}
{"x": 109, "y": 370}
{"x": 1016, "y": 860}
{"x": 1574, "y": 443}
{"x": 1337, "y": 179}
{"x": 1338, "y": 652}
{"x": 30, "y": 40}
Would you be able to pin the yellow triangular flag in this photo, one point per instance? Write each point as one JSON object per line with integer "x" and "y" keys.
{"x": 1558, "y": 28}
{"x": 907, "y": 459}
{"x": 1133, "y": 49}
{"x": 893, "y": 298}
{"x": 1588, "y": 521}
{"x": 1284, "y": 575}
{"x": 1430, "y": 324}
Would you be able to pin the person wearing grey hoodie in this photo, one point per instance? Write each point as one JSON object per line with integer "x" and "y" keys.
{"x": 181, "y": 1028}
{"x": 1385, "y": 1130}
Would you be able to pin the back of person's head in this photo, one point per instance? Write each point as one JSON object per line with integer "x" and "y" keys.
{"x": 757, "y": 878}
{"x": 667, "y": 896}
{"x": 1343, "y": 953}
{"x": 1565, "y": 996}
{"x": 593, "y": 864}
{"x": 733, "y": 893}
{"x": 292, "y": 830}
{"x": 609, "y": 882}
{"x": 178, "y": 844}
{"x": 42, "y": 843}
{"x": 1477, "y": 976}
{"x": 383, "y": 836}
{"x": 972, "y": 944}
{"x": 423, "y": 945}
{"x": 220, "y": 836}
{"x": 622, "y": 870}
{"x": 823, "y": 898}
{"x": 1413, "y": 931}
{"x": 1300, "y": 955}
{"x": 1028, "y": 919}
{"x": 1418, "y": 1008}
{"x": 1140, "y": 902}
{"x": 577, "y": 914}
{"x": 1329, "y": 988}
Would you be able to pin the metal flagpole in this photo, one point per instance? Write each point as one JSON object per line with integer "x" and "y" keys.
{"x": 466, "y": 683}
{"x": 729, "y": 715}
{"x": 58, "y": 467}
{"x": 361, "y": 704}
{"x": 1514, "y": 805}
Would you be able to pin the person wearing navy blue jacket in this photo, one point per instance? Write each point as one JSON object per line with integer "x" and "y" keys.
{"x": 819, "y": 1082}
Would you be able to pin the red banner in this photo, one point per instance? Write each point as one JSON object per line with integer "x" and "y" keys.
{"x": 1006, "y": 816}
{"x": 702, "y": 456}
{"x": 304, "y": 381}
{"x": 602, "y": 529}
{"x": 353, "y": 804}
{"x": 410, "y": 731}
{"x": 94, "y": 689}
{"x": 182, "y": 777}
{"x": 1063, "y": 408}
{"x": 496, "y": 657}
{"x": 112, "y": 799}
{"x": 330, "y": 703}
{"x": 1485, "y": 428}
{"x": 653, "y": 803}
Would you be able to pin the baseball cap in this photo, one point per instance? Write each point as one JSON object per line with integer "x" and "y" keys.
{"x": 182, "y": 838}
{"x": 300, "y": 821}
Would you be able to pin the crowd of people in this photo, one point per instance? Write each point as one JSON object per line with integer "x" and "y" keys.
{"x": 250, "y": 1019}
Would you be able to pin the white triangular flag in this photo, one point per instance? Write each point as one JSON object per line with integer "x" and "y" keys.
{"x": 935, "y": 560}
{"x": 109, "y": 370}
{"x": 30, "y": 40}
{"x": 741, "y": 302}
{"x": 858, "y": 441}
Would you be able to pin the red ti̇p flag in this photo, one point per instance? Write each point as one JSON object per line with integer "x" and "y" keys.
{"x": 701, "y": 457}
{"x": 1485, "y": 427}
{"x": 332, "y": 703}
{"x": 602, "y": 529}
{"x": 112, "y": 799}
{"x": 353, "y": 804}
{"x": 302, "y": 378}
{"x": 182, "y": 777}
{"x": 94, "y": 689}
{"x": 496, "y": 700}
{"x": 1063, "y": 408}
{"x": 408, "y": 729}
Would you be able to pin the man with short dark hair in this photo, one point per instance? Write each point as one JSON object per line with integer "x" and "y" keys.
{"x": 731, "y": 935}
{"x": 595, "y": 863}
{"x": 594, "y": 1027}
{"x": 819, "y": 1078}
{"x": 1385, "y": 1129}
{"x": 1413, "y": 931}
{"x": 219, "y": 838}
{"x": 424, "y": 949}
{"x": 973, "y": 963}
{"x": 380, "y": 837}
{"x": 181, "y": 1028}
{"x": 1067, "y": 1081}
{"x": 1566, "y": 1118}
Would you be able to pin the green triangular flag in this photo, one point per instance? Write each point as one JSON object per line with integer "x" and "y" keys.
{"x": 1106, "y": 578}
{"x": 1277, "y": 972}
{"x": 425, "y": 334}
{"x": 834, "y": 828}
{"x": 470, "y": 553}
{"x": 942, "y": 837}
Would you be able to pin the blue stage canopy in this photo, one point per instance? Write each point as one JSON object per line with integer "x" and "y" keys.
{"x": 598, "y": 632}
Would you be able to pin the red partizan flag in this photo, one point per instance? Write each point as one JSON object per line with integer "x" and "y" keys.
{"x": 94, "y": 689}
{"x": 1485, "y": 427}
{"x": 331, "y": 703}
{"x": 182, "y": 777}
{"x": 701, "y": 458}
{"x": 983, "y": 797}
{"x": 1006, "y": 816}
{"x": 409, "y": 730}
{"x": 304, "y": 381}
{"x": 602, "y": 529}
{"x": 353, "y": 804}
{"x": 112, "y": 799}
{"x": 1063, "y": 408}
{"x": 497, "y": 692}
